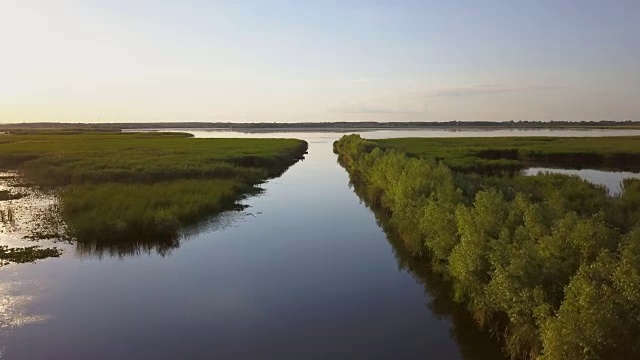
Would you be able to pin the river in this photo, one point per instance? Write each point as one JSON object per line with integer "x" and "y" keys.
{"x": 305, "y": 272}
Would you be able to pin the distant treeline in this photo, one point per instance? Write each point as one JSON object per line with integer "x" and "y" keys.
{"x": 322, "y": 125}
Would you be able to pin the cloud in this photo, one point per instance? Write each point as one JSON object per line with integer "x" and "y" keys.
{"x": 486, "y": 89}
{"x": 364, "y": 80}
{"x": 374, "y": 110}
{"x": 425, "y": 104}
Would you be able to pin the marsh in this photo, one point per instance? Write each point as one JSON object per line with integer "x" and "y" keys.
{"x": 304, "y": 269}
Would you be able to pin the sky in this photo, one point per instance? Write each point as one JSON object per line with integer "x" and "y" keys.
{"x": 319, "y": 60}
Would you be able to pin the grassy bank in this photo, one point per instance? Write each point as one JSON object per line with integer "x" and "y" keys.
{"x": 115, "y": 187}
{"x": 550, "y": 263}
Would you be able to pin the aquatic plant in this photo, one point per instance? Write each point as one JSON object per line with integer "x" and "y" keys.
{"x": 9, "y": 195}
{"x": 26, "y": 254}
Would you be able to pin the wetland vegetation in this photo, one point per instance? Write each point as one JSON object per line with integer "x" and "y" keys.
{"x": 122, "y": 188}
{"x": 511, "y": 154}
{"x": 26, "y": 254}
{"x": 10, "y": 195}
{"x": 549, "y": 263}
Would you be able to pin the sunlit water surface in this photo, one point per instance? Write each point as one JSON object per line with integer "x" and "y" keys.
{"x": 304, "y": 272}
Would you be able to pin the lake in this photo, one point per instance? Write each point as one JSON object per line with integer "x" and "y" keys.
{"x": 305, "y": 271}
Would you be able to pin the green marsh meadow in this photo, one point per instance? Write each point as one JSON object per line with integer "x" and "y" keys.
{"x": 493, "y": 155}
{"x": 548, "y": 263}
{"x": 135, "y": 187}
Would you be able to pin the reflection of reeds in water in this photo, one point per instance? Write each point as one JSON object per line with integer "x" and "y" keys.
{"x": 162, "y": 245}
{"x": 128, "y": 246}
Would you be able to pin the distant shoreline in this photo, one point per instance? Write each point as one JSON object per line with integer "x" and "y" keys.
{"x": 340, "y": 130}
{"x": 327, "y": 126}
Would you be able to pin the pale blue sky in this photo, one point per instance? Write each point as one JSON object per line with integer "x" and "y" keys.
{"x": 319, "y": 60}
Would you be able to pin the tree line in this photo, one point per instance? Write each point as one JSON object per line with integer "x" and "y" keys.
{"x": 338, "y": 125}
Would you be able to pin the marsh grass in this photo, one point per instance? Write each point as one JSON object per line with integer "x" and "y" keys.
{"x": 58, "y": 160}
{"x": 508, "y": 155}
{"x": 145, "y": 210}
{"x": 143, "y": 187}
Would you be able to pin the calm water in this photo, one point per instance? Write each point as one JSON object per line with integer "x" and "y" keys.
{"x": 304, "y": 272}
{"x": 612, "y": 180}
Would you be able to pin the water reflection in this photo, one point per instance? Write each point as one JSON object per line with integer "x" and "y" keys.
{"x": 13, "y": 304}
{"x": 612, "y": 180}
{"x": 473, "y": 343}
{"x": 162, "y": 246}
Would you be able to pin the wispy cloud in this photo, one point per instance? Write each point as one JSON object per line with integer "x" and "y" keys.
{"x": 373, "y": 110}
{"x": 422, "y": 104}
{"x": 486, "y": 89}
{"x": 364, "y": 80}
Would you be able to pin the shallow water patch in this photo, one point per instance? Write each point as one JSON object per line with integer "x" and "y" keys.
{"x": 612, "y": 180}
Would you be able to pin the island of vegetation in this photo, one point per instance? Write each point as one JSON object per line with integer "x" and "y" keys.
{"x": 128, "y": 189}
{"x": 26, "y": 254}
{"x": 551, "y": 263}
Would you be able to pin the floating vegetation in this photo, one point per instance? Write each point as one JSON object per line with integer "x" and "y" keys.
{"x": 27, "y": 254}
{"x": 10, "y": 195}
{"x": 46, "y": 223}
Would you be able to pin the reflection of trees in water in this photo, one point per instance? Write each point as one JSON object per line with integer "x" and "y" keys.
{"x": 473, "y": 343}
{"x": 160, "y": 245}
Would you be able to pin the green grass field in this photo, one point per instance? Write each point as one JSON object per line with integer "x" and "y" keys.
{"x": 118, "y": 186}
{"x": 485, "y": 155}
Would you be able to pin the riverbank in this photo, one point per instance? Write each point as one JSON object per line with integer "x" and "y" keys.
{"x": 531, "y": 258}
